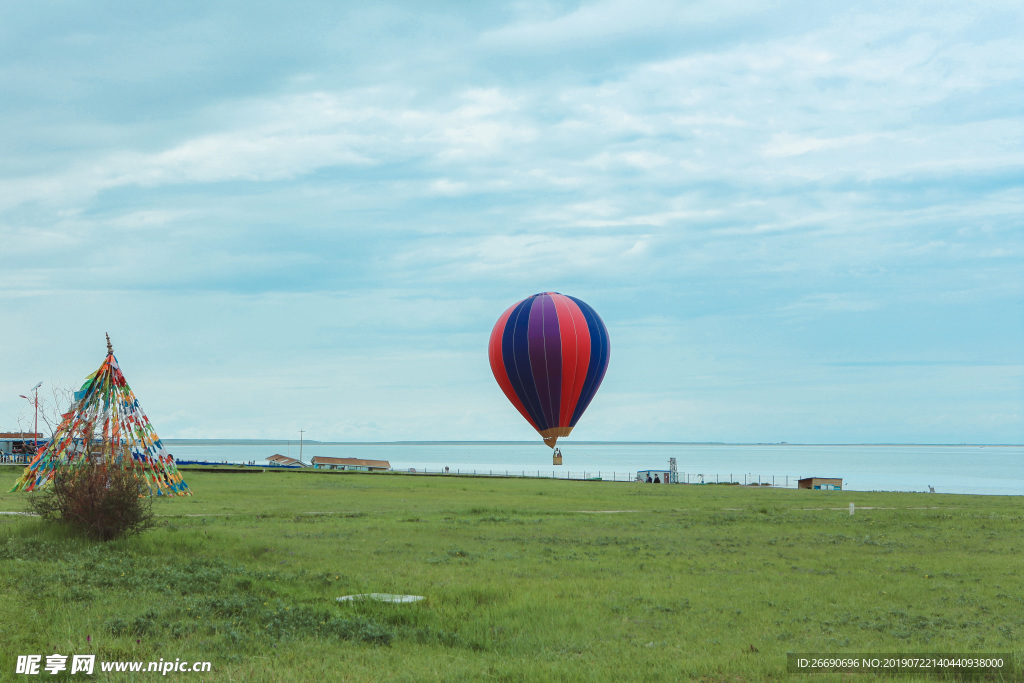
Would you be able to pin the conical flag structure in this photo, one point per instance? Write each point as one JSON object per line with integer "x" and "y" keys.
{"x": 106, "y": 425}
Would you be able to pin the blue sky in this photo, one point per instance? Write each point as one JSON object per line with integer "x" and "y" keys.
{"x": 799, "y": 221}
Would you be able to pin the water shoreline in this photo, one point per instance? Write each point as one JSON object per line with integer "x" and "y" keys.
{"x": 954, "y": 468}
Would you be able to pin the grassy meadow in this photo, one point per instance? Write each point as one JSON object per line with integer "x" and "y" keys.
{"x": 524, "y": 579}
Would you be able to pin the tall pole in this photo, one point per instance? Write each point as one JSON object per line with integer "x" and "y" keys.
{"x": 35, "y": 425}
{"x": 300, "y": 445}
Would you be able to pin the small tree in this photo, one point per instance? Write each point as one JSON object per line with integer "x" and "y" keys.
{"x": 98, "y": 501}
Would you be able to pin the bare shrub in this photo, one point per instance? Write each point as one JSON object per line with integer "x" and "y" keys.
{"x": 100, "y": 501}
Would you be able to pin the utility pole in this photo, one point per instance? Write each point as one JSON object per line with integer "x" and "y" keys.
{"x": 35, "y": 426}
{"x": 300, "y": 446}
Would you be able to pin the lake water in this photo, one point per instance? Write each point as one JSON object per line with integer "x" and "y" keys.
{"x": 988, "y": 470}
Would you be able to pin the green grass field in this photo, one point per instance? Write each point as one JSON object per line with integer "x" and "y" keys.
{"x": 524, "y": 579}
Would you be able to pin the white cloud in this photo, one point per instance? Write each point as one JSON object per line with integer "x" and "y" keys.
{"x": 449, "y": 187}
{"x": 788, "y": 145}
{"x": 833, "y": 302}
{"x": 611, "y": 19}
{"x": 491, "y": 257}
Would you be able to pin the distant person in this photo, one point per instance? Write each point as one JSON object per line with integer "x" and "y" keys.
{"x": 649, "y": 480}
{"x": 657, "y": 480}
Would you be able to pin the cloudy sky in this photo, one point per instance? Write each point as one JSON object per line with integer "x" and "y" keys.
{"x": 800, "y": 221}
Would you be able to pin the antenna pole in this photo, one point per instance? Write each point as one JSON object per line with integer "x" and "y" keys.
{"x": 35, "y": 429}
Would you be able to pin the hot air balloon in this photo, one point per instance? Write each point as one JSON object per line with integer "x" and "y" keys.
{"x": 549, "y": 353}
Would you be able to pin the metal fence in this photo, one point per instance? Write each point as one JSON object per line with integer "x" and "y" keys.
{"x": 746, "y": 479}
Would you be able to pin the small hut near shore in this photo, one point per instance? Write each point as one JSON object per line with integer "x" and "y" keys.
{"x": 823, "y": 483}
{"x": 285, "y": 461}
{"x": 18, "y": 447}
{"x": 321, "y": 462}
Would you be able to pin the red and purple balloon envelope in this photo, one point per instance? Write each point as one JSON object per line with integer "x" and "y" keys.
{"x": 549, "y": 353}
